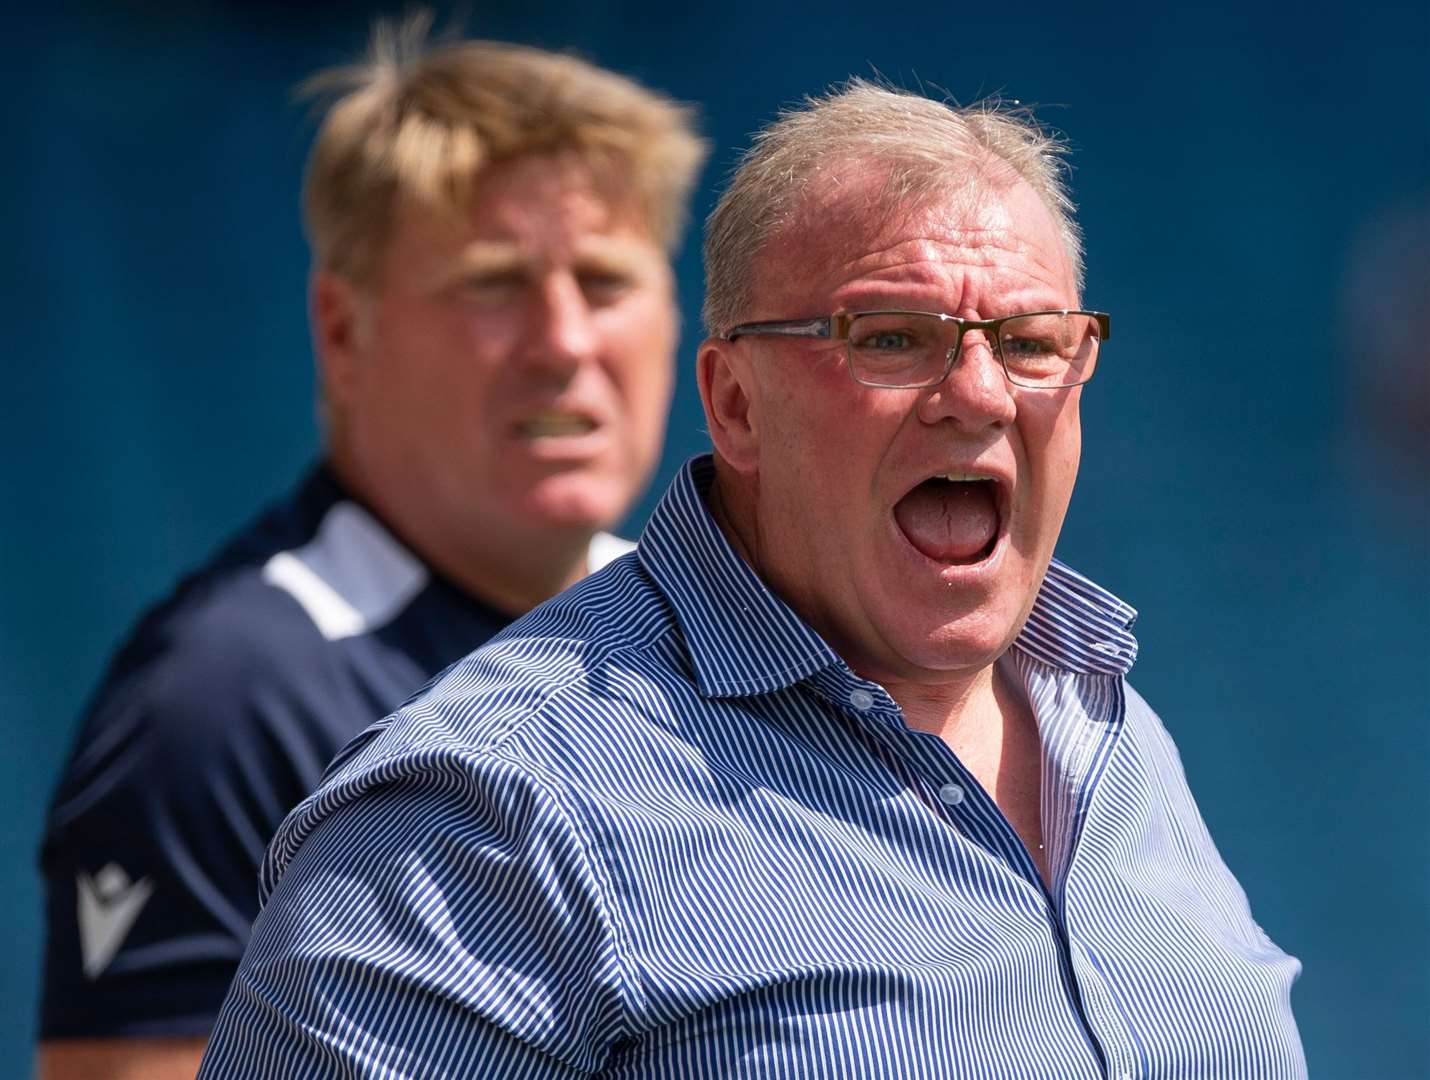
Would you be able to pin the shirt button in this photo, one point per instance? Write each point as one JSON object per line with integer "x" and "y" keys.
{"x": 951, "y": 794}
{"x": 861, "y": 699}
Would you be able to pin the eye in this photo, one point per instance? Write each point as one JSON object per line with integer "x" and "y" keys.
{"x": 893, "y": 337}
{"x": 493, "y": 283}
{"x": 1029, "y": 346}
{"x": 887, "y": 339}
{"x": 893, "y": 332}
{"x": 601, "y": 287}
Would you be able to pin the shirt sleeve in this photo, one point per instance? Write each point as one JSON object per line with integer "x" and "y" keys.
{"x": 197, "y": 743}
{"x": 441, "y": 914}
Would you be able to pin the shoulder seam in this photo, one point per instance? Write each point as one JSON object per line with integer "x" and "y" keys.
{"x": 607, "y": 653}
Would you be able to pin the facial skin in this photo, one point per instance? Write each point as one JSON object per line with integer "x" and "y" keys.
{"x": 499, "y": 391}
{"x": 812, "y": 464}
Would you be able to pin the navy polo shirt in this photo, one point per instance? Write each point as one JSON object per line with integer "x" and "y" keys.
{"x": 217, "y": 715}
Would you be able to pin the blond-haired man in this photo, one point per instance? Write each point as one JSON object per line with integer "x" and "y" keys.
{"x": 494, "y": 320}
{"x": 855, "y": 785}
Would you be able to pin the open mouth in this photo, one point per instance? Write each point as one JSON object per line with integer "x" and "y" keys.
{"x": 554, "y": 424}
{"x": 952, "y": 519}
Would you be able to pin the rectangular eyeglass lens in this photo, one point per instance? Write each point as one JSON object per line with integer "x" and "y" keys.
{"x": 1049, "y": 350}
{"x": 899, "y": 347}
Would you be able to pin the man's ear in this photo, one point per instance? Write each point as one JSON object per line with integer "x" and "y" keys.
{"x": 731, "y": 401}
{"x": 336, "y": 313}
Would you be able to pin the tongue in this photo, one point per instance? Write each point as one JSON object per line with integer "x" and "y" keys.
{"x": 948, "y": 522}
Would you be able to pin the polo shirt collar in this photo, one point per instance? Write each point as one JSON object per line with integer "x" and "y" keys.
{"x": 744, "y": 640}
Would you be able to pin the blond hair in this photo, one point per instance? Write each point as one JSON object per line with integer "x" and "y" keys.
{"x": 423, "y": 122}
{"x": 927, "y": 146}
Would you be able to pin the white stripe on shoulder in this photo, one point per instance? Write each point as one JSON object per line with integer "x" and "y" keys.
{"x": 352, "y": 577}
{"x": 606, "y": 548}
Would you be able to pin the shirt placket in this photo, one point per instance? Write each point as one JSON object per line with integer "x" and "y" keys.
{"x": 1080, "y": 748}
{"x": 930, "y": 769}
{"x": 1084, "y": 755}
{"x": 934, "y": 773}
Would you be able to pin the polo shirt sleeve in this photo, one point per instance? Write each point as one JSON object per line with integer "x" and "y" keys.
{"x": 200, "y": 739}
{"x": 436, "y": 912}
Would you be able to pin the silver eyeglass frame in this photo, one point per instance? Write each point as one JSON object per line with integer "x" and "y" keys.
{"x": 836, "y": 328}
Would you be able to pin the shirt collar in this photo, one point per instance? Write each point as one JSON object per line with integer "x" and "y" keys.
{"x": 743, "y": 639}
{"x": 1079, "y": 626}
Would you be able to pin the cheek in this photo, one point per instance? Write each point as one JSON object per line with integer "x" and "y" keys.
{"x": 782, "y": 423}
{"x": 1052, "y": 442}
{"x": 639, "y": 347}
{"x": 427, "y": 343}
{"x": 436, "y": 391}
{"x": 645, "y": 401}
{"x": 817, "y": 450}
{"x": 472, "y": 341}
{"x": 1065, "y": 447}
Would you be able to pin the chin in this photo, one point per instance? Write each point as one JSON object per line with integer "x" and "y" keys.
{"x": 954, "y": 659}
{"x": 968, "y": 644}
{"x": 577, "y": 502}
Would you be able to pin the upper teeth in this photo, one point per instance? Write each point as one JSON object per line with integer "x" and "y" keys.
{"x": 555, "y": 423}
{"x": 959, "y": 478}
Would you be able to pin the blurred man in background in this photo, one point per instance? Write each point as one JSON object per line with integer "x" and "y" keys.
{"x": 494, "y": 321}
{"x": 856, "y": 786}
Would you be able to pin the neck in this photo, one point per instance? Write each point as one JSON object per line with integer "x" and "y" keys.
{"x": 994, "y": 733}
{"x": 715, "y": 503}
{"x": 511, "y": 573}
{"x": 514, "y": 576}
{"x": 951, "y": 709}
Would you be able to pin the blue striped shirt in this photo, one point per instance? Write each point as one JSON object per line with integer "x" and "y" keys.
{"x": 658, "y": 828}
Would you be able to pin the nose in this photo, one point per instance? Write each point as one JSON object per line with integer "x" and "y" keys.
{"x": 975, "y": 393}
{"x": 560, "y": 332}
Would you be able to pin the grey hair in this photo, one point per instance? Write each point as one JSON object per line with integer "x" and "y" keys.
{"x": 927, "y": 145}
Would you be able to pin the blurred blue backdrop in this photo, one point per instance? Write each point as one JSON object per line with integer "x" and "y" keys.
{"x": 1255, "y": 186}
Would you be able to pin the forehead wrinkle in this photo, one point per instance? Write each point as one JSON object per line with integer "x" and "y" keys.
{"x": 924, "y": 264}
{"x": 929, "y": 254}
{"x": 936, "y": 239}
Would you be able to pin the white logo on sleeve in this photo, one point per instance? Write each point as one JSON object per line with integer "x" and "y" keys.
{"x": 108, "y": 906}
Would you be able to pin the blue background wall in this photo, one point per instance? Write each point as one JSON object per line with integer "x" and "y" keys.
{"x": 1251, "y": 180}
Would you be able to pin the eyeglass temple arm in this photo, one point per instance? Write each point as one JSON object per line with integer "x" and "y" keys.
{"x": 815, "y": 328}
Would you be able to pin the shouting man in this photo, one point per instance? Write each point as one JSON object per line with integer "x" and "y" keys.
{"x": 839, "y": 774}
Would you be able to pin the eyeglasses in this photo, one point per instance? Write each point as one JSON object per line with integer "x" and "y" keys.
{"x": 906, "y": 350}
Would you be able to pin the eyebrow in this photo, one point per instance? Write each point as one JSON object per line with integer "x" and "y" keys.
{"x": 483, "y": 256}
{"x": 479, "y": 260}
